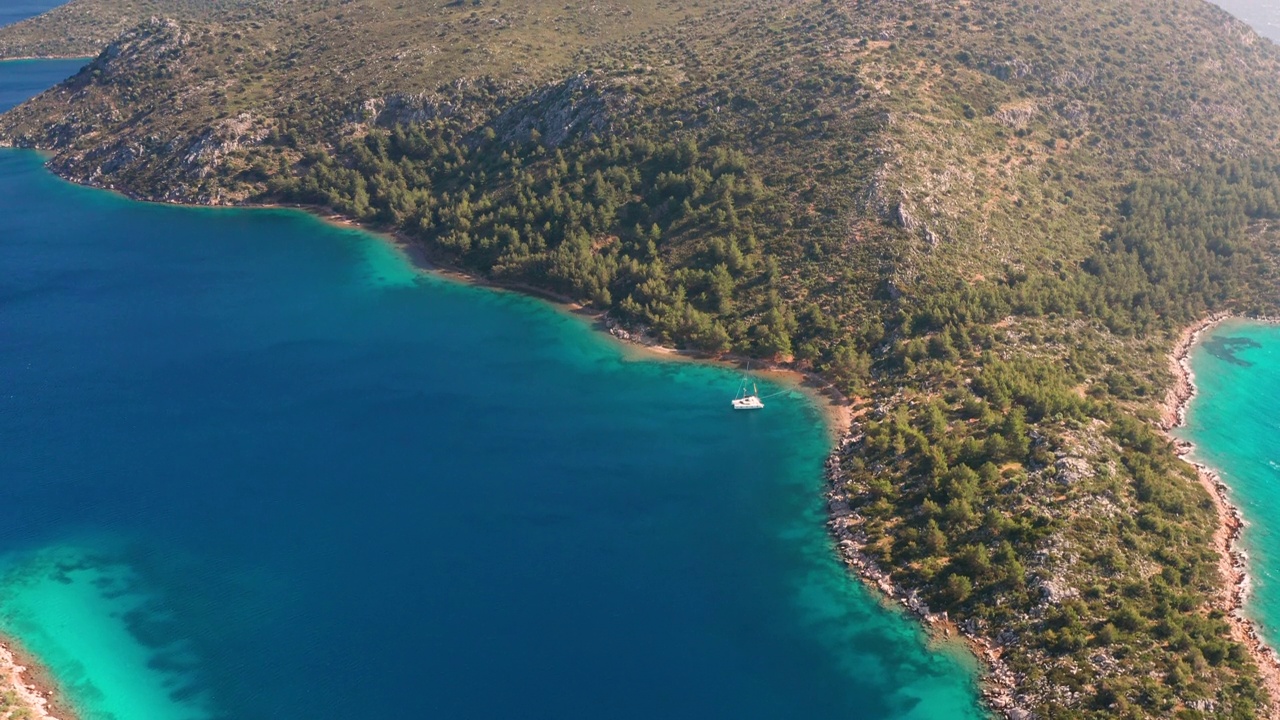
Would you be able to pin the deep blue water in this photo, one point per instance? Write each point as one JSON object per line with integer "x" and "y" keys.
{"x": 22, "y": 79}
{"x": 255, "y": 466}
{"x": 11, "y": 11}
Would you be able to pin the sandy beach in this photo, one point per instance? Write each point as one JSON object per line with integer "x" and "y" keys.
{"x": 1232, "y": 562}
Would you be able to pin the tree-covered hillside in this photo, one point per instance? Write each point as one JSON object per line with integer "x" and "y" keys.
{"x": 985, "y": 222}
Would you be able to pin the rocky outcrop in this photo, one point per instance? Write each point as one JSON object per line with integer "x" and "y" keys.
{"x": 1016, "y": 116}
{"x": 999, "y": 684}
{"x": 404, "y": 109}
{"x": 579, "y": 105}
{"x": 554, "y": 113}
{"x": 159, "y": 42}
{"x": 223, "y": 138}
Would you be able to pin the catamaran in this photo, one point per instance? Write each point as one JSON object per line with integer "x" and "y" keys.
{"x": 748, "y": 402}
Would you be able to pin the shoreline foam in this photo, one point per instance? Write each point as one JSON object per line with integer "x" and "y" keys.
{"x": 1233, "y": 563}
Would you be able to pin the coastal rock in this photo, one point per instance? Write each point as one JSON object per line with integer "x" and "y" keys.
{"x": 1232, "y": 561}
{"x": 25, "y": 696}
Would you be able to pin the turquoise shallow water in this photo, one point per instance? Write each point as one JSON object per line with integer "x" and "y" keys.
{"x": 254, "y": 466}
{"x": 1234, "y": 424}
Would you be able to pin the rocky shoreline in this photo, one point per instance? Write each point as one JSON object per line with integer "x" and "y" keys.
{"x": 1232, "y": 560}
{"x": 998, "y": 684}
{"x": 34, "y": 690}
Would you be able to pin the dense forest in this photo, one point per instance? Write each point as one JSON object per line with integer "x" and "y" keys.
{"x": 593, "y": 230}
{"x": 984, "y": 224}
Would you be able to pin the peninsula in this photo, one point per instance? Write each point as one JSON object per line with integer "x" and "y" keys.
{"x": 988, "y": 223}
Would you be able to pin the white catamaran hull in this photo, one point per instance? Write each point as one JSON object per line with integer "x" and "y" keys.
{"x": 746, "y": 401}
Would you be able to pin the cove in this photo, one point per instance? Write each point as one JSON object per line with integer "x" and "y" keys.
{"x": 1233, "y": 424}
{"x": 256, "y": 466}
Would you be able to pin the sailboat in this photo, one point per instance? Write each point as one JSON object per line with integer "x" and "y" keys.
{"x": 745, "y": 401}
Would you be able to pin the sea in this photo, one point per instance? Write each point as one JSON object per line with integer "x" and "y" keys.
{"x": 253, "y": 465}
{"x": 11, "y": 11}
{"x": 1262, "y": 15}
{"x": 1235, "y": 428}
